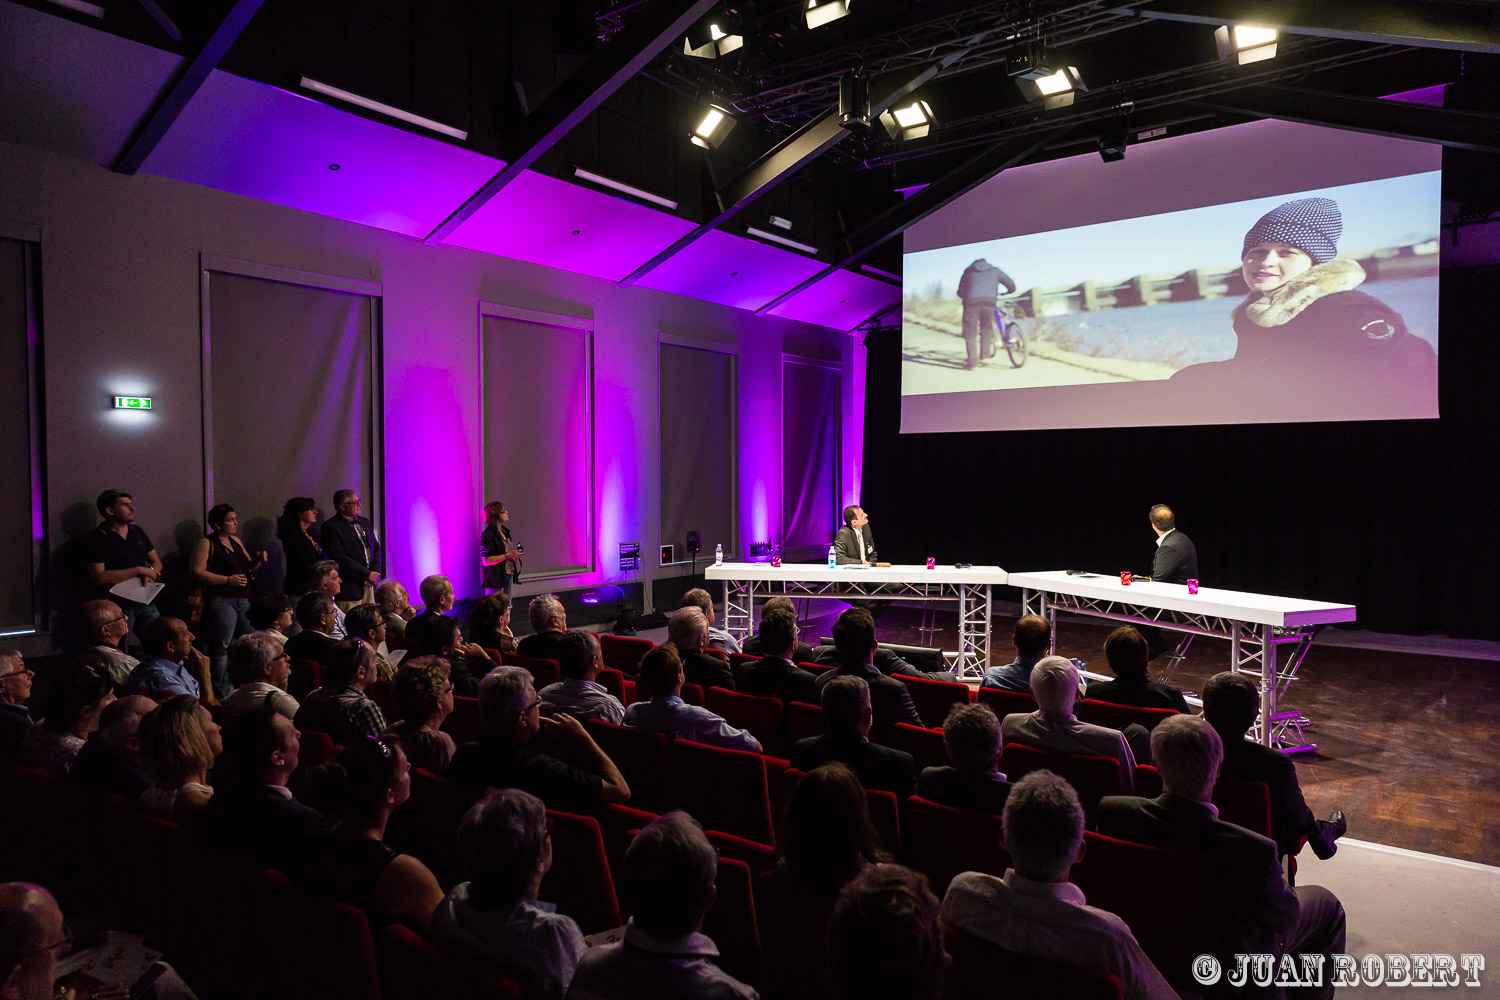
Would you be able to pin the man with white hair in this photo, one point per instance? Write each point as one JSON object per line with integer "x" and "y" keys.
{"x": 549, "y": 623}
{"x": 15, "y": 691}
{"x": 688, "y": 631}
{"x": 102, "y": 625}
{"x": 324, "y": 579}
{"x": 260, "y": 668}
{"x": 1261, "y": 914}
{"x": 1054, "y": 685}
{"x": 717, "y": 637}
{"x": 1035, "y": 911}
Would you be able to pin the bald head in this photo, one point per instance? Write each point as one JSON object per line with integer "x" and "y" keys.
{"x": 1054, "y": 685}
{"x": 30, "y": 921}
{"x": 120, "y": 724}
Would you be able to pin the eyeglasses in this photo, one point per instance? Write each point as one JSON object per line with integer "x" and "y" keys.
{"x": 65, "y": 944}
{"x": 535, "y": 704}
{"x": 119, "y": 619}
{"x": 18, "y": 673}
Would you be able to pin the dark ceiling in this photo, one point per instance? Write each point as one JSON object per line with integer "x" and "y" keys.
{"x": 560, "y": 84}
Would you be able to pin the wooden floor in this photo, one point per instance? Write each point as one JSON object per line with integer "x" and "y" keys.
{"x": 1409, "y": 745}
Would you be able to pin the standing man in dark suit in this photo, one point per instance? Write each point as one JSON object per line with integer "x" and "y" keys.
{"x": 1176, "y": 559}
{"x": 854, "y": 638}
{"x": 854, "y": 542}
{"x": 1261, "y": 914}
{"x": 349, "y": 539}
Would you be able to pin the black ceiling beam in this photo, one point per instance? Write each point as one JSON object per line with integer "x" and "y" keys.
{"x": 958, "y": 182}
{"x": 189, "y": 78}
{"x": 795, "y": 152}
{"x": 1464, "y": 27}
{"x": 1460, "y": 129}
{"x": 658, "y": 25}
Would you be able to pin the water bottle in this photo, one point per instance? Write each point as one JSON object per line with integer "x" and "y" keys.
{"x": 833, "y": 559}
{"x": 719, "y": 554}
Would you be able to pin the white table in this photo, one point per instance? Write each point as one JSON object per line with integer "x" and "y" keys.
{"x": 969, "y": 588}
{"x": 1256, "y": 625}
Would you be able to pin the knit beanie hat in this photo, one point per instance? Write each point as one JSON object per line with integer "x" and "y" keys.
{"x": 1312, "y": 225}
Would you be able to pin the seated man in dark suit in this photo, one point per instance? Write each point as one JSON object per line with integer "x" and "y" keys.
{"x": 1261, "y": 914}
{"x": 510, "y": 712}
{"x": 315, "y": 613}
{"x": 252, "y": 811}
{"x": 854, "y": 638}
{"x": 549, "y": 623}
{"x": 888, "y": 662}
{"x": 1129, "y": 657}
{"x": 854, "y": 545}
{"x": 971, "y": 735}
{"x": 688, "y": 631}
{"x": 1231, "y": 704}
{"x": 846, "y": 705}
{"x": 1176, "y": 561}
{"x": 775, "y": 675}
{"x": 802, "y": 654}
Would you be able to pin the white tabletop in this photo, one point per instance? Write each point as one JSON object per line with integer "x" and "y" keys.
{"x": 820, "y": 573}
{"x": 1263, "y": 609}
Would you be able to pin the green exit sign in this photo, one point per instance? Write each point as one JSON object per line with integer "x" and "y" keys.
{"x": 132, "y": 402}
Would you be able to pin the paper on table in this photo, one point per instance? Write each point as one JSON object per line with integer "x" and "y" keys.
{"x": 134, "y": 590}
{"x": 120, "y": 960}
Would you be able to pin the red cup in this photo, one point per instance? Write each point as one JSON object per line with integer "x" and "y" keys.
{"x": 1192, "y": 586}
{"x": 1124, "y": 577}
{"x": 931, "y": 563}
{"x": 776, "y": 561}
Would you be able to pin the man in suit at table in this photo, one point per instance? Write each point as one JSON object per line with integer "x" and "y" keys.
{"x": 1176, "y": 561}
{"x": 854, "y": 545}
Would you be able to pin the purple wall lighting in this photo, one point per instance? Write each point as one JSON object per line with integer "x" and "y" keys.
{"x": 842, "y": 300}
{"x": 251, "y": 139}
{"x": 552, "y": 222}
{"x": 732, "y": 270}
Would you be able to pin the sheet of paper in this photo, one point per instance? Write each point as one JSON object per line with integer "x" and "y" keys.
{"x": 120, "y": 960}
{"x": 134, "y": 590}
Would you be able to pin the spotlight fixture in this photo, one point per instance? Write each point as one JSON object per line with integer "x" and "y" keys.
{"x": 716, "y": 124}
{"x": 711, "y": 41}
{"x": 623, "y": 188}
{"x": 1055, "y": 88}
{"x": 308, "y": 83}
{"x": 821, "y": 12}
{"x": 778, "y": 238}
{"x": 854, "y": 101}
{"x": 1114, "y": 139}
{"x": 781, "y": 223}
{"x": 1245, "y": 43}
{"x": 911, "y": 122}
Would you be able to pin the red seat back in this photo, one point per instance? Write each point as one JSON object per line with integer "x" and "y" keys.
{"x": 781, "y": 780}
{"x": 760, "y": 857}
{"x": 426, "y": 824}
{"x": 885, "y": 815}
{"x": 1103, "y": 713}
{"x": 737, "y": 660}
{"x": 324, "y": 947}
{"x": 1004, "y": 703}
{"x": 412, "y": 968}
{"x": 979, "y": 965}
{"x": 925, "y": 745}
{"x": 816, "y": 668}
{"x": 942, "y": 841}
{"x": 613, "y": 681}
{"x": 543, "y": 672}
{"x": 704, "y": 775}
{"x": 1091, "y": 776}
{"x": 934, "y": 698}
{"x": 580, "y": 883}
{"x": 793, "y": 925}
{"x": 641, "y": 756}
{"x": 463, "y": 722}
{"x": 1244, "y": 803}
{"x": 307, "y": 675}
{"x": 760, "y": 715}
{"x": 47, "y": 835}
{"x": 154, "y": 848}
{"x": 615, "y": 823}
{"x": 1147, "y": 781}
{"x": 628, "y": 698}
{"x": 692, "y": 694}
{"x": 717, "y": 653}
{"x": 396, "y": 640}
{"x": 383, "y": 693}
{"x": 221, "y": 715}
{"x": 731, "y": 923}
{"x": 623, "y": 652}
{"x": 804, "y": 720}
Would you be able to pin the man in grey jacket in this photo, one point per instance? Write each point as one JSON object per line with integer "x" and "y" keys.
{"x": 979, "y": 288}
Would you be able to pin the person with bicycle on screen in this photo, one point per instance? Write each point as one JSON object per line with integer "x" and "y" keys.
{"x": 979, "y": 288}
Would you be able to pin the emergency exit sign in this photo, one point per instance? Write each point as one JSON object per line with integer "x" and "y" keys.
{"x": 132, "y": 402}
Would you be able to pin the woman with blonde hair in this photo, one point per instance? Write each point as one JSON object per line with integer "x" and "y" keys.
{"x": 424, "y": 697}
{"x": 179, "y": 743}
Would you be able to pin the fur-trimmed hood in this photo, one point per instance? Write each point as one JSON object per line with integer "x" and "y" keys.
{"x": 1281, "y": 305}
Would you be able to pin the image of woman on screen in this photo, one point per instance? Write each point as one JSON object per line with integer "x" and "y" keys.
{"x": 499, "y": 554}
{"x": 1303, "y": 326}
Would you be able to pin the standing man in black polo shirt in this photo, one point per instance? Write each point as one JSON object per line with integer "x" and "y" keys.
{"x": 118, "y": 550}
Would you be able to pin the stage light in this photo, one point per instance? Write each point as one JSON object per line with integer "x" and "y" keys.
{"x": 819, "y": 14}
{"x": 1245, "y": 43}
{"x": 716, "y": 124}
{"x": 911, "y": 122}
{"x": 781, "y": 223}
{"x": 777, "y": 238}
{"x": 854, "y": 101}
{"x": 385, "y": 109}
{"x": 1112, "y": 143}
{"x": 1054, "y": 88}
{"x": 711, "y": 42}
{"x": 622, "y": 187}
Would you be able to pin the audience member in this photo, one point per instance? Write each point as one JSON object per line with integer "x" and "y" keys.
{"x": 15, "y": 691}
{"x": 717, "y": 637}
{"x": 110, "y": 762}
{"x": 179, "y": 743}
{"x": 222, "y": 567}
{"x": 666, "y": 712}
{"x": 499, "y": 555}
{"x": 294, "y": 528}
{"x": 1034, "y": 910}
{"x": 826, "y": 837}
{"x": 358, "y": 792}
{"x": 549, "y": 622}
{"x": 349, "y": 538}
{"x": 325, "y": 579}
{"x": 489, "y": 624}
{"x": 854, "y": 641}
{"x": 668, "y": 876}
{"x": 974, "y": 782}
{"x": 395, "y": 604}
{"x": 252, "y": 811}
{"x": 438, "y": 598}
{"x": 1260, "y": 912}
{"x": 316, "y": 614}
{"x": 260, "y": 668}
{"x": 365, "y": 623}
{"x": 846, "y": 706}
{"x": 509, "y": 711}
{"x": 169, "y": 665}
{"x": 687, "y": 631}
{"x": 495, "y": 918}
{"x": 579, "y": 693}
{"x": 439, "y": 635}
{"x": 886, "y": 660}
{"x": 1231, "y": 704}
{"x": 775, "y": 675}
{"x": 752, "y": 644}
{"x": 102, "y": 627}
{"x": 117, "y": 551}
{"x": 80, "y": 693}
{"x": 1129, "y": 658}
{"x": 340, "y": 707}
{"x": 1031, "y": 637}
{"x": 1054, "y": 685}
{"x": 272, "y": 614}
{"x": 884, "y": 938}
{"x": 424, "y": 697}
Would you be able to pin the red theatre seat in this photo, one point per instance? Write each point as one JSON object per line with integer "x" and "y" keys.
{"x": 463, "y": 722}
{"x": 885, "y": 816}
{"x": 1093, "y": 777}
{"x": 1103, "y": 713}
{"x": 543, "y": 672}
{"x": 692, "y": 694}
{"x": 623, "y": 652}
{"x": 731, "y": 923}
{"x": 323, "y": 947}
{"x": 934, "y": 699}
{"x": 704, "y": 777}
{"x": 737, "y": 660}
{"x": 793, "y": 925}
{"x": 979, "y": 965}
{"x": 1004, "y": 703}
{"x": 804, "y": 720}
{"x": 942, "y": 841}
{"x": 581, "y": 885}
{"x": 925, "y": 745}
{"x": 615, "y": 824}
{"x": 760, "y": 857}
{"x": 426, "y": 825}
{"x": 760, "y": 715}
{"x": 413, "y": 968}
{"x": 641, "y": 755}
{"x": 307, "y": 676}
{"x": 613, "y": 681}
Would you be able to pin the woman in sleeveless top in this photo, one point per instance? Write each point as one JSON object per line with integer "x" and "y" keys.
{"x": 221, "y": 565}
{"x": 179, "y": 743}
{"x": 358, "y": 792}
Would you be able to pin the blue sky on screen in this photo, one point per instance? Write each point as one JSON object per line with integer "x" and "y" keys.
{"x": 1377, "y": 214}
